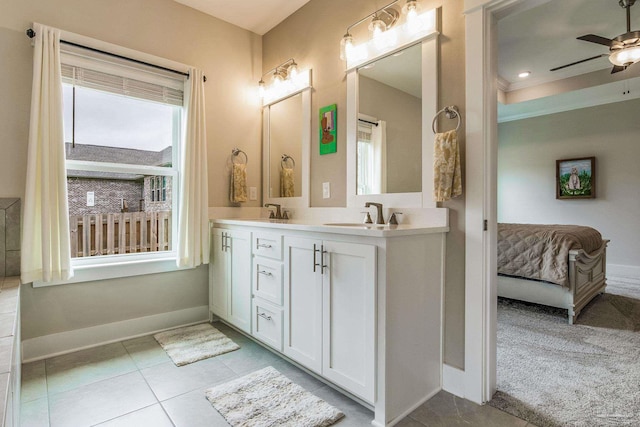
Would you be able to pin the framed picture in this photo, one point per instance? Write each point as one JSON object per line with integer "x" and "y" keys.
{"x": 328, "y": 135}
{"x": 576, "y": 178}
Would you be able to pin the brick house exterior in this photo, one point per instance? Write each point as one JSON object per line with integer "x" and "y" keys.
{"x": 113, "y": 190}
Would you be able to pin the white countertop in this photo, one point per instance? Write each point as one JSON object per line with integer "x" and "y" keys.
{"x": 334, "y": 227}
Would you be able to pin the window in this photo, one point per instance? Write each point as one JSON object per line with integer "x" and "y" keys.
{"x": 365, "y": 159}
{"x": 122, "y": 127}
{"x": 158, "y": 187}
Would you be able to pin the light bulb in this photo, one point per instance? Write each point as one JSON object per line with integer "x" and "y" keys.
{"x": 261, "y": 88}
{"x": 346, "y": 46}
{"x": 411, "y": 9}
{"x": 278, "y": 77}
{"x": 293, "y": 70}
{"x": 377, "y": 27}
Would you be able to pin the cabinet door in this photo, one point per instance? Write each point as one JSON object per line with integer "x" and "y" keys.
{"x": 303, "y": 303}
{"x": 349, "y": 293}
{"x": 239, "y": 308}
{"x": 218, "y": 274}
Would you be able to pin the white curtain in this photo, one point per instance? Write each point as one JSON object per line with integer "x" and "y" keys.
{"x": 46, "y": 254}
{"x": 379, "y": 169}
{"x": 193, "y": 205}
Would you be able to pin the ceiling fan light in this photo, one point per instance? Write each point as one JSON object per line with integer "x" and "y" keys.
{"x": 625, "y": 57}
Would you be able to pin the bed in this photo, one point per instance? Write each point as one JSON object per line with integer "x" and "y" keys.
{"x": 561, "y": 266}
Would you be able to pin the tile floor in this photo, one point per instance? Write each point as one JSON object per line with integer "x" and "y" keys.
{"x": 134, "y": 384}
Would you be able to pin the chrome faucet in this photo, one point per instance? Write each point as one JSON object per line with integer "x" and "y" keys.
{"x": 379, "y": 217}
{"x": 277, "y": 206}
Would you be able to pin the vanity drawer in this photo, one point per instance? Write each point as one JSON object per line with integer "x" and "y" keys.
{"x": 267, "y": 245}
{"x": 267, "y": 279}
{"x": 267, "y": 323}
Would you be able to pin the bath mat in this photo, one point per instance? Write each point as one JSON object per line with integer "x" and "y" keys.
{"x": 266, "y": 398}
{"x": 192, "y": 343}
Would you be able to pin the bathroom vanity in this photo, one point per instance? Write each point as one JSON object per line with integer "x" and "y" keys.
{"x": 358, "y": 305}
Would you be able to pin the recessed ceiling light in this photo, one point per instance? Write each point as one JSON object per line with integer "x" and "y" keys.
{"x": 524, "y": 74}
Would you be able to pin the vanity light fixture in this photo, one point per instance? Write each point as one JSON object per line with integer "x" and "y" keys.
{"x": 286, "y": 80}
{"x": 389, "y": 30}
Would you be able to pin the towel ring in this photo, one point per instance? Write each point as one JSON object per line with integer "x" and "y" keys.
{"x": 286, "y": 157}
{"x": 451, "y": 112}
{"x": 236, "y": 152}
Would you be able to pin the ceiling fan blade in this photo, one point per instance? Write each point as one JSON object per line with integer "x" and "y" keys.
{"x": 597, "y": 39}
{"x": 617, "y": 69}
{"x": 577, "y": 62}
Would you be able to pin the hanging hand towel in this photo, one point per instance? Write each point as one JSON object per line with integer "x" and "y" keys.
{"x": 238, "y": 191}
{"x": 447, "y": 179}
{"x": 287, "y": 188}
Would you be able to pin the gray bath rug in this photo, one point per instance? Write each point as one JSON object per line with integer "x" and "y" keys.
{"x": 192, "y": 343}
{"x": 266, "y": 398}
{"x": 554, "y": 374}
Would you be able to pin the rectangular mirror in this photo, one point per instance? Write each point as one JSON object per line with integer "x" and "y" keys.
{"x": 285, "y": 146}
{"x": 389, "y": 138}
{"x": 391, "y": 100}
{"x": 286, "y": 136}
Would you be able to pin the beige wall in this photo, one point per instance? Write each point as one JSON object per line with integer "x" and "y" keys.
{"x": 312, "y": 36}
{"x": 55, "y": 309}
{"x": 527, "y": 154}
{"x": 231, "y": 59}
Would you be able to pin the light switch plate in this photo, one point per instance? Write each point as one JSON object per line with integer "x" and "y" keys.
{"x": 326, "y": 190}
{"x": 91, "y": 198}
{"x": 253, "y": 193}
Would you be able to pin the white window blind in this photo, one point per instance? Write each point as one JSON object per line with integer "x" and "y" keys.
{"x": 121, "y": 85}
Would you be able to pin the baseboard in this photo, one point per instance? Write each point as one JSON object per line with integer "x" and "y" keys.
{"x": 453, "y": 380}
{"x": 624, "y": 273}
{"x": 39, "y": 348}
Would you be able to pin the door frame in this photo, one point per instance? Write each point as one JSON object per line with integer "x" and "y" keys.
{"x": 481, "y": 48}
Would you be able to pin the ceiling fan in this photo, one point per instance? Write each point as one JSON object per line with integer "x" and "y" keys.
{"x": 624, "y": 50}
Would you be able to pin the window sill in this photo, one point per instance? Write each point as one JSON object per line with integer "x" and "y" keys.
{"x": 116, "y": 268}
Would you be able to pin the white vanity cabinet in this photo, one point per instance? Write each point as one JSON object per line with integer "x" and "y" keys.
{"x": 329, "y": 301}
{"x": 359, "y": 306}
{"x": 267, "y": 288}
{"x": 230, "y": 277}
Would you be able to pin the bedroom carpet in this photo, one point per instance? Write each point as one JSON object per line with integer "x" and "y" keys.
{"x": 267, "y": 398}
{"x": 554, "y": 374}
{"x": 192, "y": 343}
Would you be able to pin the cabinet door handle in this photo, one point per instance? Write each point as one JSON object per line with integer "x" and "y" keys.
{"x": 263, "y": 245}
{"x": 322, "y": 252}
{"x": 265, "y": 273}
{"x": 315, "y": 264}
{"x": 223, "y": 241}
{"x": 264, "y": 316}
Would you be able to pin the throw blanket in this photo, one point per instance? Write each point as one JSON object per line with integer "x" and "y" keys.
{"x": 541, "y": 252}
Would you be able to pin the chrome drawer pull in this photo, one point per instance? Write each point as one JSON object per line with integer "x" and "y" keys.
{"x": 262, "y": 245}
{"x": 266, "y": 273}
{"x": 264, "y": 316}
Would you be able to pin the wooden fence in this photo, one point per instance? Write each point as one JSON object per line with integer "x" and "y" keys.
{"x": 120, "y": 233}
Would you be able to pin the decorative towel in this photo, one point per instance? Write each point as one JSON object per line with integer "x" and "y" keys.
{"x": 238, "y": 190}
{"x": 287, "y": 188}
{"x": 447, "y": 179}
